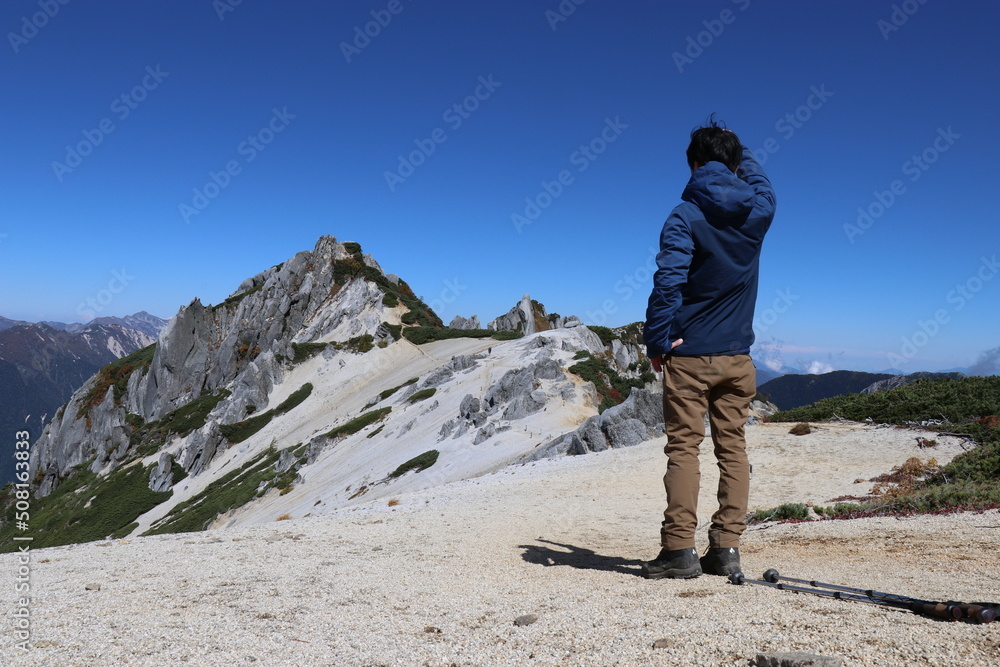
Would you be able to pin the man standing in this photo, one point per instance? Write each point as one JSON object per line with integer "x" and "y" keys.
{"x": 699, "y": 329}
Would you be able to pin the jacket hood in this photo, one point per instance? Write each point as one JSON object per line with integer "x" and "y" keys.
{"x": 718, "y": 192}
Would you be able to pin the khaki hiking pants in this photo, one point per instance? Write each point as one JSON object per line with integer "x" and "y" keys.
{"x": 724, "y": 385}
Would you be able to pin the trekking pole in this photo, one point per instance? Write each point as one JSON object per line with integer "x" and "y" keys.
{"x": 976, "y": 612}
{"x": 939, "y": 610}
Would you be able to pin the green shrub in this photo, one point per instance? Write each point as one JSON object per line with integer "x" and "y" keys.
{"x": 390, "y": 300}
{"x": 611, "y": 387}
{"x": 240, "y": 431}
{"x": 303, "y": 351}
{"x": 418, "y": 463}
{"x": 422, "y": 394}
{"x": 192, "y": 416}
{"x": 295, "y": 398}
{"x": 395, "y": 329}
{"x": 115, "y": 376}
{"x": 780, "y": 513}
{"x": 631, "y": 333}
{"x": 389, "y": 392}
{"x": 956, "y": 401}
{"x": 361, "y": 344}
{"x": 87, "y": 507}
{"x": 417, "y": 311}
{"x": 148, "y": 437}
{"x": 235, "y": 489}
{"x": 358, "y": 423}
{"x": 421, "y": 335}
{"x": 353, "y": 248}
{"x": 971, "y": 481}
{"x": 604, "y": 333}
{"x": 177, "y": 471}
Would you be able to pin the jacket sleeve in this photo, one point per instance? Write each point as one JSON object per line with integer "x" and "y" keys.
{"x": 751, "y": 172}
{"x": 672, "y": 263}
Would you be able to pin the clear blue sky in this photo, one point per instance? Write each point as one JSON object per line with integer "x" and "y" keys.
{"x": 309, "y": 128}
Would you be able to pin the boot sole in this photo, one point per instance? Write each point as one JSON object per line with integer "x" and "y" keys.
{"x": 722, "y": 571}
{"x": 674, "y": 574}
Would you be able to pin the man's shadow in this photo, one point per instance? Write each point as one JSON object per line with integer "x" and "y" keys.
{"x": 578, "y": 557}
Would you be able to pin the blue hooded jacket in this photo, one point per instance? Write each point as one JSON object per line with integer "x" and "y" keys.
{"x": 705, "y": 285}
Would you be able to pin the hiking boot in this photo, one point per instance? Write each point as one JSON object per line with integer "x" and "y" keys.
{"x": 677, "y": 564}
{"x": 721, "y": 561}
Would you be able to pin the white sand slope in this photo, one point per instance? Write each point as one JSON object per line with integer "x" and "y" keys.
{"x": 344, "y": 392}
{"x": 439, "y": 579}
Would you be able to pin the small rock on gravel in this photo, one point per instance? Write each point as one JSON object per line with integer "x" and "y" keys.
{"x": 525, "y": 619}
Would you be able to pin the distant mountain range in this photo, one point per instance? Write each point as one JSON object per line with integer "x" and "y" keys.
{"x": 795, "y": 390}
{"x": 42, "y": 364}
{"x": 151, "y": 325}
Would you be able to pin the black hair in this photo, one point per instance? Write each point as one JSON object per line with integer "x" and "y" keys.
{"x": 713, "y": 142}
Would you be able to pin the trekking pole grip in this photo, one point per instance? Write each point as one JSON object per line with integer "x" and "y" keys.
{"x": 977, "y": 612}
{"x": 937, "y": 609}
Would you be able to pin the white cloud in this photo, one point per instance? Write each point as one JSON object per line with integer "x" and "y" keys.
{"x": 818, "y": 368}
{"x": 774, "y": 363}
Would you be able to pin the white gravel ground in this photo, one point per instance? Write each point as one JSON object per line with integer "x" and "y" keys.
{"x": 439, "y": 578}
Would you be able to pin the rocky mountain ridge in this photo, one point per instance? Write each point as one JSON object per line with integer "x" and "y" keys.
{"x": 214, "y": 404}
